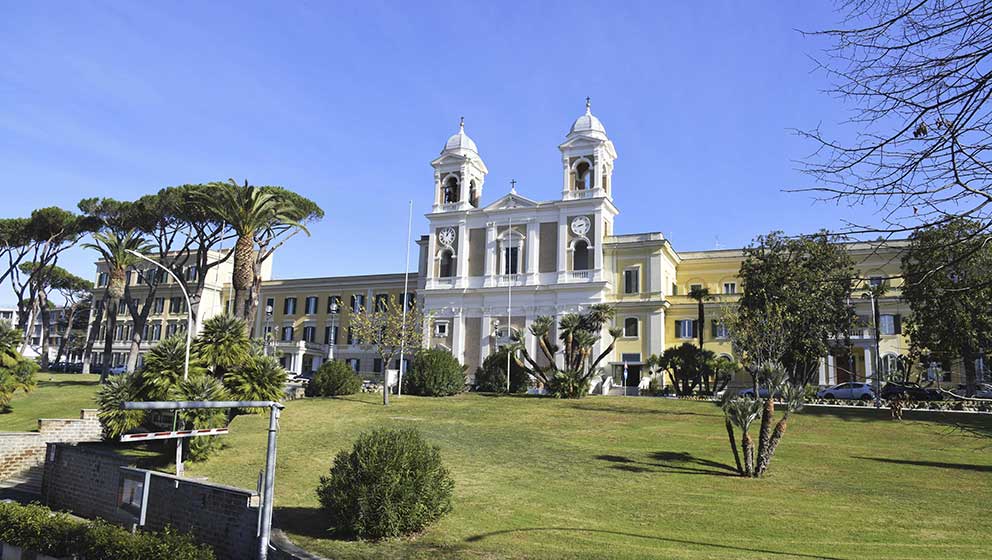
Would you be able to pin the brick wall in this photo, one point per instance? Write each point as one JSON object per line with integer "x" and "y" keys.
{"x": 87, "y": 481}
{"x": 22, "y": 452}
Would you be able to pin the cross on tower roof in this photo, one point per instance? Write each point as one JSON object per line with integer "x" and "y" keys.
{"x": 513, "y": 186}
{"x": 588, "y": 104}
{"x": 461, "y": 123}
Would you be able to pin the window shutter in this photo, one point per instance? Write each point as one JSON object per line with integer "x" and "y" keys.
{"x": 713, "y": 325}
{"x": 678, "y": 328}
{"x": 695, "y": 328}
{"x": 897, "y": 321}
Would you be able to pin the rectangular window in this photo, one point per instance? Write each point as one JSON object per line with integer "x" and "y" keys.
{"x": 675, "y": 289}
{"x": 357, "y": 303}
{"x": 889, "y": 324}
{"x": 270, "y": 305}
{"x": 875, "y": 281}
{"x": 409, "y": 300}
{"x": 311, "y": 305}
{"x": 377, "y": 365}
{"x": 441, "y": 329}
{"x": 695, "y": 287}
{"x": 289, "y": 306}
{"x": 719, "y": 330}
{"x": 158, "y": 306}
{"x": 192, "y": 273}
{"x": 630, "y": 358}
{"x": 685, "y": 328}
{"x": 351, "y": 336}
{"x": 381, "y": 302}
{"x": 730, "y": 288}
{"x": 157, "y": 331}
{"x": 101, "y": 279}
{"x": 631, "y": 281}
{"x": 353, "y": 363}
{"x": 140, "y": 277}
{"x": 127, "y": 278}
{"x": 510, "y": 260}
{"x": 333, "y": 304}
{"x": 176, "y": 305}
{"x": 309, "y": 334}
{"x": 287, "y": 334}
{"x": 630, "y": 327}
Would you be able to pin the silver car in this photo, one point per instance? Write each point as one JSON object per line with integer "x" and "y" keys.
{"x": 848, "y": 392}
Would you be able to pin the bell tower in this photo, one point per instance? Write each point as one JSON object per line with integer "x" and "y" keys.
{"x": 587, "y": 159}
{"x": 459, "y": 174}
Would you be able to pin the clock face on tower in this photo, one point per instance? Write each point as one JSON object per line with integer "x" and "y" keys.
{"x": 446, "y": 236}
{"x": 580, "y": 225}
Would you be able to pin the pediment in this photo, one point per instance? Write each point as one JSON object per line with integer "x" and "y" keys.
{"x": 511, "y": 200}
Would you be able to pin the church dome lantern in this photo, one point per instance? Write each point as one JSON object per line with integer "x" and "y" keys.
{"x": 587, "y": 158}
{"x": 459, "y": 173}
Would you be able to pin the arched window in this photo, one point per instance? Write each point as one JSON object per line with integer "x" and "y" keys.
{"x": 583, "y": 176}
{"x": 580, "y": 255}
{"x": 630, "y": 327}
{"x": 447, "y": 268}
{"x": 451, "y": 190}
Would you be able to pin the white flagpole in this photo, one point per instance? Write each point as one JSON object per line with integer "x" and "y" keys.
{"x": 509, "y": 298}
{"x": 406, "y": 284}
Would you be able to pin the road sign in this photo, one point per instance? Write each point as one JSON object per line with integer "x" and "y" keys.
{"x": 148, "y": 436}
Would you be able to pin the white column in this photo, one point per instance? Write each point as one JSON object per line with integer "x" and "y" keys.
{"x": 565, "y": 176}
{"x": 597, "y": 182}
{"x": 869, "y": 370}
{"x": 490, "y": 252}
{"x": 823, "y": 371}
{"x": 533, "y": 246}
{"x": 530, "y": 341}
{"x": 656, "y": 333}
{"x": 298, "y": 363}
{"x": 431, "y": 252}
{"x": 831, "y": 370}
{"x": 598, "y": 239}
{"x": 559, "y": 358}
{"x": 462, "y": 259}
{"x": 485, "y": 332}
{"x": 458, "y": 337}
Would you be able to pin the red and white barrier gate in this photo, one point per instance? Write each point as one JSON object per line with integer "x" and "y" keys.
{"x": 148, "y": 436}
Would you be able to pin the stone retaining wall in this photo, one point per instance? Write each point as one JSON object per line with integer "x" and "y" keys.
{"x": 22, "y": 451}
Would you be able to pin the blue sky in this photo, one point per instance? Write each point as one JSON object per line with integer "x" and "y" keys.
{"x": 348, "y": 102}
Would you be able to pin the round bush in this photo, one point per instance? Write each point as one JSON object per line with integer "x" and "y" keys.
{"x": 334, "y": 378}
{"x": 434, "y": 373}
{"x": 391, "y": 483}
{"x": 491, "y": 377}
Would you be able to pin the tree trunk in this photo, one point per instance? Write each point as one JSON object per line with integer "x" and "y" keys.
{"x": 70, "y": 319}
{"x": 28, "y": 324}
{"x": 46, "y": 317}
{"x": 243, "y": 274}
{"x": 970, "y": 375}
{"x": 733, "y": 445}
{"x": 773, "y": 443}
{"x": 108, "y": 339}
{"x": 747, "y": 447}
{"x": 764, "y": 437}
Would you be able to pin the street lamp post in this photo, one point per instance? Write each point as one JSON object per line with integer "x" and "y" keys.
{"x": 268, "y": 328}
{"x": 189, "y": 342}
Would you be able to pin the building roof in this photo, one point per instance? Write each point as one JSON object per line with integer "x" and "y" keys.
{"x": 587, "y": 124}
{"x": 460, "y": 143}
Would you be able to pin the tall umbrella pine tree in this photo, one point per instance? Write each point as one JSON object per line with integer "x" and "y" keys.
{"x": 262, "y": 219}
{"x": 114, "y": 249}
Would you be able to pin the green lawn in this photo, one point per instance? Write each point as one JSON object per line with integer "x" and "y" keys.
{"x": 58, "y": 395}
{"x": 609, "y": 477}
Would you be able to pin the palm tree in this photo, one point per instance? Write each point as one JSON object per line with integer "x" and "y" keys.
{"x": 251, "y": 212}
{"x": 742, "y": 412}
{"x": 223, "y": 344}
{"x": 115, "y": 248}
{"x": 700, "y": 294}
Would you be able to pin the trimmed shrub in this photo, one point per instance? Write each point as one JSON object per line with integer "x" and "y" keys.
{"x": 491, "y": 377}
{"x": 434, "y": 373}
{"x": 391, "y": 483}
{"x": 334, "y": 378}
{"x": 39, "y": 529}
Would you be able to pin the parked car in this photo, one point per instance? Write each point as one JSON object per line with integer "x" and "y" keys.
{"x": 910, "y": 391}
{"x": 117, "y": 370}
{"x": 75, "y": 367}
{"x": 982, "y": 390}
{"x": 848, "y": 391}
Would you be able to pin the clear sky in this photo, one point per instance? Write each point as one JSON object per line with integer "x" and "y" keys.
{"x": 348, "y": 102}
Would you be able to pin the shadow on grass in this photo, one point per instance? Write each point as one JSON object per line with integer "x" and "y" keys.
{"x": 673, "y": 462}
{"x": 66, "y": 383}
{"x": 619, "y": 409}
{"x": 351, "y": 399}
{"x": 511, "y": 395}
{"x": 307, "y": 521}
{"x": 789, "y": 554}
{"x": 936, "y": 464}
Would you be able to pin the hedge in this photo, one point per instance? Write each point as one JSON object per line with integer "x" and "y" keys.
{"x": 35, "y": 527}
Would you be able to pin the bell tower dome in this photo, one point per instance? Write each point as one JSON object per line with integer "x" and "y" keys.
{"x": 459, "y": 173}
{"x": 587, "y": 159}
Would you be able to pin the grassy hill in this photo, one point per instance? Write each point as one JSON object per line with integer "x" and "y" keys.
{"x": 614, "y": 477}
